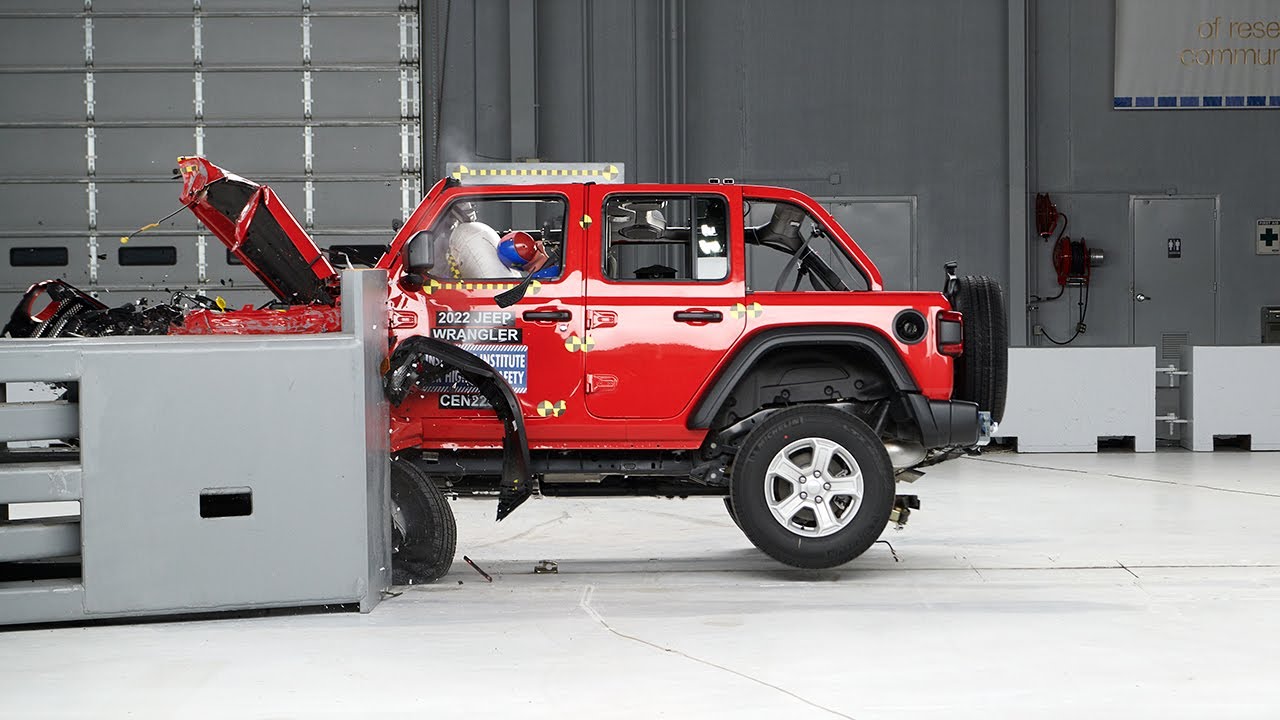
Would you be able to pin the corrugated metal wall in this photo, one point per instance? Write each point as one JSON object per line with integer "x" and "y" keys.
{"x": 898, "y": 114}
{"x": 318, "y": 98}
{"x": 864, "y": 102}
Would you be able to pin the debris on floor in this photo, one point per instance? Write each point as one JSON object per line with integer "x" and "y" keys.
{"x": 476, "y": 567}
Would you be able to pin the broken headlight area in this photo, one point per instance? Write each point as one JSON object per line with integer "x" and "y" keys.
{"x": 55, "y": 309}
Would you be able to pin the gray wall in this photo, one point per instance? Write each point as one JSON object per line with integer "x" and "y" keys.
{"x": 1091, "y": 158}
{"x": 834, "y": 98}
{"x": 837, "y": 98}
{"x": 102, "y": 96}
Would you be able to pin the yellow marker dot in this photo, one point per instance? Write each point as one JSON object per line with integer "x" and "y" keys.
{"x": 124, "y": 239}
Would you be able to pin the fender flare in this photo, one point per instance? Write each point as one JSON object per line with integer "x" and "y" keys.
{"x": 418, "y": 361}
{"x": 769, "y": 340}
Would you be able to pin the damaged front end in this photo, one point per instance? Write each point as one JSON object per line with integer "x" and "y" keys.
{"x": 54, "y": 309}
{"x": 256, "y": 228}
{"x": 420, "y": 361}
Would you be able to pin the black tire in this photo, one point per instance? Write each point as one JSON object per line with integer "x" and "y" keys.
{"x": 728, "y": 505}
{"x": 981, "y": 373}
{"x": 751, "y": 482}
{"x": 424, "y": 537}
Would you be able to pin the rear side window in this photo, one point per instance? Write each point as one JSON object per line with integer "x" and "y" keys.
{"x": 666, "y": 238}
{"x": 789, "y": 251}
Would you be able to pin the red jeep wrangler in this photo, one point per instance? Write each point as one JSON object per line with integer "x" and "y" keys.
{"x": 590, "y": 338}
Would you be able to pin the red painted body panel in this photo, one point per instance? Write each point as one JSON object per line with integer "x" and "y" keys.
{"x": 645, "y": 372}
{"x": 645, "y": 364}
{"x": 295, "y": 320}
{"x": 642, "y": 371}
{"x": 198, "y": 174}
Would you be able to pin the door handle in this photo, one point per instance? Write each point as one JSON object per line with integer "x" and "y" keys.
{"x": 1141, "y": 298}
{"x": 547, "y": 315}
{"x": 696, "y": 316}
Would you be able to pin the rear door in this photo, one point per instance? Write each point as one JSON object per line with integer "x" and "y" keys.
{"x": 665, "y": 296}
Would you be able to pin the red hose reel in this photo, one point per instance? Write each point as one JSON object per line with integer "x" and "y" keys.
{"x": 1073, "y": 261}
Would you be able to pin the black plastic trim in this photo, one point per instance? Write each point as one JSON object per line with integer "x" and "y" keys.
{"x": 768, "y": 340}
{"x": 409, "y": 367}
{"x": 918, "y": 317}
{"x": 945, "y": 423}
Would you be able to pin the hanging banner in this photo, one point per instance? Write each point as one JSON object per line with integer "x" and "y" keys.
{"x": 1197, "y": 54}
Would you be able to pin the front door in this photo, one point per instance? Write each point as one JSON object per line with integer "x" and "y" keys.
{"x": 665, "y": 292}
{"x": 525, "y": 342}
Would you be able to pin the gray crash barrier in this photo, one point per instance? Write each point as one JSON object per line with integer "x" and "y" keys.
{"x": 213, "y": 473}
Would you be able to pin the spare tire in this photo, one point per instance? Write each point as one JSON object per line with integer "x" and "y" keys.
{"x": 981, "y": 373}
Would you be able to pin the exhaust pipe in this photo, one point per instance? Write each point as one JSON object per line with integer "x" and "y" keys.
{"x": 904, "y": 455}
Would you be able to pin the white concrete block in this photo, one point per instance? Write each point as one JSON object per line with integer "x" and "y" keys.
{"x": 1232, "y": 391}
{"x": 1064, "y": 399}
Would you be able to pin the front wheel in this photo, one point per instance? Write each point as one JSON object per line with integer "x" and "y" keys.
{"x": 812, "y": 487}
{"x": 424, "y": 533}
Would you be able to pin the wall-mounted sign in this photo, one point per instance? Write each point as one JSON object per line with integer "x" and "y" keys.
{"x": 1269, "y": 236}
{"x": 1175, "y": 248}
{"x": 1197, "y": 54}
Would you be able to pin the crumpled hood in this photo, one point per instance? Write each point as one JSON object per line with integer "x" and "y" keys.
{"x": 252, "y": 222}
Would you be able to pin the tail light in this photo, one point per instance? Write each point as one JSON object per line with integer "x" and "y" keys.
{"x": 950, "y": 333}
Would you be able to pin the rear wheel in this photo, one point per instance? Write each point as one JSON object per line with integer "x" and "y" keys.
{"x": 981, "y": 373}
{"x": 424, "y": 534}
{"x": 812, "y": 487}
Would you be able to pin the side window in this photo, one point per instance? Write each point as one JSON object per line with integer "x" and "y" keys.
{"x": 664, "y": 237}
{"x": 787, "y": 250}
{"x": 499, "y": 238}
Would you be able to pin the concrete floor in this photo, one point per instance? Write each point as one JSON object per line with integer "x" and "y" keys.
{"x": 1045, "y": 586}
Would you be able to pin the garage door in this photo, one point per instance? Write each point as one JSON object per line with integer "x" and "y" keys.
{"x": 318, "y": 98}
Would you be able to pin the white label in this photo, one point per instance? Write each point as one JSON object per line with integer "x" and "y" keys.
{"x": 1197, "y": 54}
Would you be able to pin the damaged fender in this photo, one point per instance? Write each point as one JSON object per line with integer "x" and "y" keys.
{"x": 419, "y": 361}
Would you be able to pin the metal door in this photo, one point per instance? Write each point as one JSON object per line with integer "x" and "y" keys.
{"x": 1174, "y": 291}
{"x": 1174, "y": 288}
{"x": 320, "y": 102}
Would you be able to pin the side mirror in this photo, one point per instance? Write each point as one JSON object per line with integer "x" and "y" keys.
{"x": 421, "y": 252}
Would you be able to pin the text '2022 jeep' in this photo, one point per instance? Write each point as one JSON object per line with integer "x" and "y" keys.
{"x": 568, "y": 335}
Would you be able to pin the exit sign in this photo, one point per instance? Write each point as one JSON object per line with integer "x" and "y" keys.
{"x": 1269, "y": 236}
